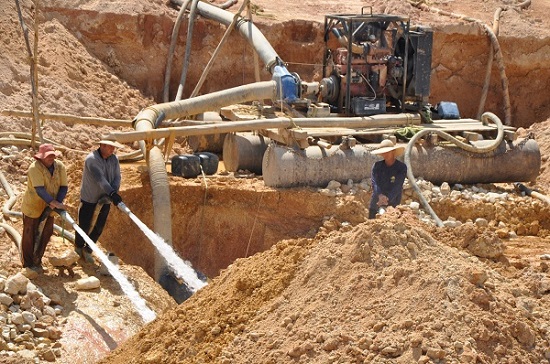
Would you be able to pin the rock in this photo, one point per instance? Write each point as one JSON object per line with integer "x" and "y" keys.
{"x": 88, "y": 283}
{"x": 16, "y": 284}
{"x": 66, "y": 260}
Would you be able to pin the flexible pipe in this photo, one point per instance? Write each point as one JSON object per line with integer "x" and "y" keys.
{"x": 188, "y": 43}
{"x": 247, "y": 29}
{"x": 468, "y": 147}
{"x": 18, "y": 138}
{"x": 162, "y": 217}
{"x": 71, "y": 119}
{"x": 217, "y": 50}
{"x": 173, "y": 42}
{"x": 497, "y": 53}
{"x": 494, "y": 41}
{"x": 7, "y": 211}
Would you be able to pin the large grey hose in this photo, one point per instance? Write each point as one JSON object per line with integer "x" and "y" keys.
{"x": 247, "y": 29}
{"x": 468, "y": 147}
{"x": 493, "y": 33}
{"x": 218, "y": 48}
{"x": 188, "y": 43}
{"x": 173, "y": 42}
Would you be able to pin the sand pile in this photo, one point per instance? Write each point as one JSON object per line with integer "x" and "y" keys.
{"x": 391, "y": 290}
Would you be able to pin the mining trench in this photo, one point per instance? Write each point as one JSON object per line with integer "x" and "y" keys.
{"x": 227, "y": 218}
{"x": 222, "y": 218}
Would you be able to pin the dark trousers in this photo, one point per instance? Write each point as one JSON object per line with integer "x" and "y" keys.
{"x": 91, "y": 219}
{"x": 33, "y": 243}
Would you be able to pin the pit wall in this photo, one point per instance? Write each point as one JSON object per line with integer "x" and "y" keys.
{"x": 228, "y": 223}
{"x": 135, "y": 47}
{"x": 232, "y": 220}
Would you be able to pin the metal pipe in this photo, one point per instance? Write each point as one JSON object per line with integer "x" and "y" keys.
{"x": 375, "y": 121}
{"x": 70, "y": 119}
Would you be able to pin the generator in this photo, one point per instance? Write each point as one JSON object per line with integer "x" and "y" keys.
{"x": 375, "y": 63}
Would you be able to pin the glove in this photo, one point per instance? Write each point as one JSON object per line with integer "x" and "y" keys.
{"x": 104, "y": 200}
{"x": 115, "y": 197}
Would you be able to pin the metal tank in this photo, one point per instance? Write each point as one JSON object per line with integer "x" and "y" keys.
{"x": 244, "y": 151}
{"x": 509, "y": 162}
{"x": 316, "y": 166}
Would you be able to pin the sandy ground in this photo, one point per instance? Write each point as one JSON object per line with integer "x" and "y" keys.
{"x": 390, "y": 291}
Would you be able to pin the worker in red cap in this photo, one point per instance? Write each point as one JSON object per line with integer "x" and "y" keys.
{"x": 100, "y": 184}
{"x": 47, "y": 187}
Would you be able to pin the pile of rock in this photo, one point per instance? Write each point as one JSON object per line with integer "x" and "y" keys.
{"x": 29, "y": 320}
{"x": 433, "y": 194}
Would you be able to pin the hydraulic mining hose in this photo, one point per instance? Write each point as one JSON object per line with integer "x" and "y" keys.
{"x": 208, "y": 66}
{"x": 533, "y": 193}
{"x": 7, "y": 211}
{"x": 493, "y": 34}
{"x": 247, "y": 29}
{"x": 495, "y": 50}
{"x": 188, "y": 42}
{"x": 173, "y": 42}
{"x": 70, "y": 119}
{"x": 468, "y": 147}
{"x": 19, "y": 138}
{"x": 153, "y": 115}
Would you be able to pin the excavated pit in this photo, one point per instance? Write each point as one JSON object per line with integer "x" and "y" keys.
{"x": 215, "y": 225}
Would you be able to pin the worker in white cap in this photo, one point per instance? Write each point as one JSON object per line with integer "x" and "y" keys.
{"x": 100, "y": 185}
{"x": 388, "y": 176}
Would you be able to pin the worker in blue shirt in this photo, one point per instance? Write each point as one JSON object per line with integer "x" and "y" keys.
{"x": 388, "y": 176}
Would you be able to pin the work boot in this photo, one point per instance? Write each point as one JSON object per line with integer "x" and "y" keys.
{"x": 88, "y": 258}
{"x": 38, "y": 268}
{"x": 84, "y": 254}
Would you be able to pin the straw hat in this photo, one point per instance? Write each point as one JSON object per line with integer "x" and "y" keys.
{"x": 45, "y": 150}
{"x": 111, "y": 143}
{"x": 387, "y": 146}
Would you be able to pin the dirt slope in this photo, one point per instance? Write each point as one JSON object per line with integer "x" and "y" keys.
{"x": 393, "y": 290}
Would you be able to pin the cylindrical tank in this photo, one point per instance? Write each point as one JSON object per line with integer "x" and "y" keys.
{"x": 244, "y": 151}
{"x": 208, "y": 142}
{"x": 315, "y": 166}
{"x": 509, "y": 162}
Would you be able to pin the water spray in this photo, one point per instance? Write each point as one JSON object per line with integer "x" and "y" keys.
{"x": 182, "y": 269}
{"x": 146, "y": 313}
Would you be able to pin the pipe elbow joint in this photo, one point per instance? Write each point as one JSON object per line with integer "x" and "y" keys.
{"x": 287, "y": 85}
{"x": 150, "y": 115}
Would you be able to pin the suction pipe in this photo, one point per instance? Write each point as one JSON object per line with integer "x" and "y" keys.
{"x": 151, "y": 117}
{"x": 246, "y": 28}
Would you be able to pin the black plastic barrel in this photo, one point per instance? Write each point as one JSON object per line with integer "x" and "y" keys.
{"x": 186, "y": 165}
{"x": 209, "y": 162}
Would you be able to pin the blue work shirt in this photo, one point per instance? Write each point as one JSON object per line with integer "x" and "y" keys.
{"x": 387, "y": 180}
